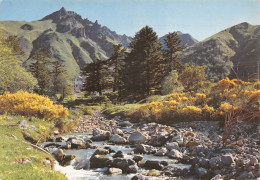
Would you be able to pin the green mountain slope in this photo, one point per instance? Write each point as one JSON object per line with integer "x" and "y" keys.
{"x": 232, "y": 52}
{"x": 71, "y": 39}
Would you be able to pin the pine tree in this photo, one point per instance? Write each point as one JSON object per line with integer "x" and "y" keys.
{"x": 143, "y": 70}
{"x": 97, "y": 79}
{"x": 61, "y": 81}
{"x": 41, "y": 72}
{"x": 115, "y": 63}
{"x": 172, "y": 53}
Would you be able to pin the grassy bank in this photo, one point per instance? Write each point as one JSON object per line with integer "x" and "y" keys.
{"x": 20, "y": 160}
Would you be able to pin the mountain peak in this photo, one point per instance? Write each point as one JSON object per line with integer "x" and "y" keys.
{"x": 62, "y": 9}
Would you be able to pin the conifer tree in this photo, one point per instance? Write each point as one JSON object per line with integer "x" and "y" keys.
{"x": 115, "y": 63}
{"x": 41, "y": 72}
{"x": 172, "y": 53}
{"x": 97, "y": 79}
{"x": 143, "y": 72}
{"x": 61, "y": 81}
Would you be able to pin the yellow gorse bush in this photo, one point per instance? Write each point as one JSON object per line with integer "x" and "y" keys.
{"x": 257, "y": 85}
{"x": 192, "y": 110}
{"x": 30, "y": 104}
{"x": 225, "y": 96}
{"x": 225, "y": 84}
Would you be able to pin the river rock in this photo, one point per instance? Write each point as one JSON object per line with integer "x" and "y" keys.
{"x": 145, "y": 149}
{"x": 114, "y": 171}
{"x": 138, "y": 177}
{"x": 152, "y": 164}
{"x": 125, "y": 124}
{"x": 202, "y": 172}
{"x": 217, "y": 177}
{"x": 62, "y": 158}
{"x": 227, "y": 159}
{"x": 59, "y": 139}
{"x": 118, "y": 154}
{"x": 117, "y": 139}
{"x": 214, "y": 162}
{"x": 199, "y": 149}
{"x": 158, "y": 140}
{"x": 137, "y": 158}
{"x": 100, "y": 151}
{"x": 117, "y": 131}
{"x": 66, "y": 159}
{"x": 161, "y": 152}
{"x": 178, "y": 138}
{"x": 79, "y": 144}
{"x": 137, "y": 137}
{"x": 102, "y": 137}
{"x": 130, "y": 169}
{"x": 58, "y": 154}
{"x": 97, "y": 132}
{"x": 173, "y": 145}
{"x": 122, "y": 163}
{"x": 99, "y": 161}
{"x": 174, "y": 153}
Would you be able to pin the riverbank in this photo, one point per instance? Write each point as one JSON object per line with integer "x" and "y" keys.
{"x": 19, "y": 159}
{"x": 102, "y": 147}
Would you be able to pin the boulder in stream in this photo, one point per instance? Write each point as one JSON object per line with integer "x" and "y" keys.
{"x": 117, "y": 139}
{"x": 153, "y": 164}
{"x": 102, "y": 137}
{"x": 137, "y": 138}
{"x": 100, "y": 161}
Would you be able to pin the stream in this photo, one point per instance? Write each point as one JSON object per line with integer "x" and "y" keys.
{"x": 79, "y": 168}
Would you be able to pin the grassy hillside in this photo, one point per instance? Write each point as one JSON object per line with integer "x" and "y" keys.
{"x": 233, "y": 51}
{"x": 18, "y": 159}
{"x": 70, "y": 39}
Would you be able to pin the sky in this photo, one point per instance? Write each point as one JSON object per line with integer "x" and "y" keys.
{"x": 199, "y": 18}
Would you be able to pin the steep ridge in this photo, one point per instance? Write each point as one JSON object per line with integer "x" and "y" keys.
{"x": 232, "y": 52}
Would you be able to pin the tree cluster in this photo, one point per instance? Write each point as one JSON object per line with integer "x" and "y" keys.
{"x": 51, "y": 75}
{"x": 139, "y": 71}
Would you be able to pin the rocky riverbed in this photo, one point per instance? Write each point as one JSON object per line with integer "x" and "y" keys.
{"x": 117, "y": 149}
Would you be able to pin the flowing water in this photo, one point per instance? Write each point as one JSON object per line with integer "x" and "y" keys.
{"x": 79, "y": 167}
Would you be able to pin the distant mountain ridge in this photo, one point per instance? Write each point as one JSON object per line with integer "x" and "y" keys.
{"x": 187, "y": 39}
{"x": 70, "y": 38}
{"x": 232, "y": 52}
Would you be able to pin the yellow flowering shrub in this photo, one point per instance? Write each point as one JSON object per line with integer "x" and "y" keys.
{"x": 225, "y": 96}
{"x": 29, "y": 104}
{"x": 192, "y": 112}
{"x": 225, "y": 84}
{"x": 257, "y": 85}
{"x": 201, "y": 95}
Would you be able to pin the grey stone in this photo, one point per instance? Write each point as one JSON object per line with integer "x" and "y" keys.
{"x": 214, "y": 162}
{"x": 153, "y": 164}
{"x": 202, "y": 172}
{"x": 23, "y": 124}
{"x": 161, "y": 152}
{"x": 173, "y": 145}
{"x": 99, "y": 161}
{"x": 114, "y": 171}
{"x": 227, "y": 159}
{"x": 117, "y": 139}
{"x": 118, "y": 154}
{"x": 174, "y": 153}
{"x": 137, "y": 137}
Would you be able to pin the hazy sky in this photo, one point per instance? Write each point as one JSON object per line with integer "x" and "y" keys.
{"x": 200, "y": 18}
